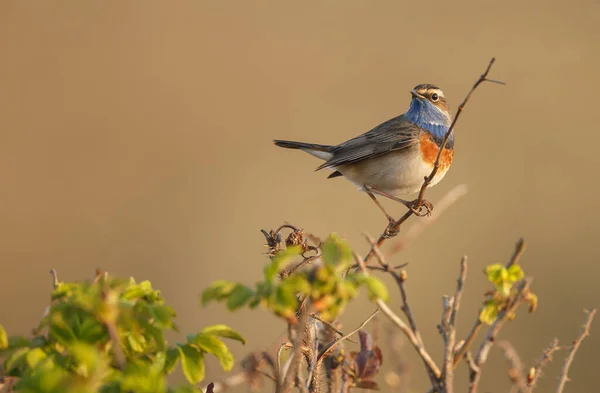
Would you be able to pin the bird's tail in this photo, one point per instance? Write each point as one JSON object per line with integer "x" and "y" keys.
{"x": 320, "y": 151}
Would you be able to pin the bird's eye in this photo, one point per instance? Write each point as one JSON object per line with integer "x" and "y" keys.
{"x": 435, "y": 97}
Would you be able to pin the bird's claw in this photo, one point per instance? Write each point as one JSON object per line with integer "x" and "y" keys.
{"x": 391, "y": 230}
{"x": 421, "y": 209}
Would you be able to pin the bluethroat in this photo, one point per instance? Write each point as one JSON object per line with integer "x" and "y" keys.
{"x": 394, "y": 157}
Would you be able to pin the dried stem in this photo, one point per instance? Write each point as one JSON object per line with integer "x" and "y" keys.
{"x": 449, "y": 335}
{"x": 546, "y": 357}
{"x": 519, "y": 250}
{"x": 492, "y": 333}
{"x": 419, "y": 226}
{"x": 54, "y": 275}
{"x": 432, "y": 369}
{"x": 325, "y": 351}
{"x": 296, "y": 357}
{"x": 585, "y": 331}
{"x": 515, "y": 371}
{"x": 516, "y": 256}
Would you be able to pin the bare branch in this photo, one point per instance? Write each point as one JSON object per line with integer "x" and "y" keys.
{"x": 461, "y": 107}
{"x": 336, "y": 342}
{"x": 585, "y": 331}
{"x": 419, "y": 226}
{"x": 516, "y": 256}
{"x": 448, "y": 328}
{"x": 534, "y": 373}
{"x": 54, "y": 275}
{"x": 519, "y": 250}
{"x": 492, "y": 333}
{"x": 432, "y": 369}
{"x": 515, "y": 371}
{"x": 330, "y": 325}
{"x": 296, "y": 362}
{"x": 449, "y": 335}
{"x": 460, "y": 286}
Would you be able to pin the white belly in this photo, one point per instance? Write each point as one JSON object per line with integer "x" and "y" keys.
{"x": 397, "y": 173}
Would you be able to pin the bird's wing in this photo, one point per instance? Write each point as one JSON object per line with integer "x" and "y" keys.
{"x": 394, "y": 134}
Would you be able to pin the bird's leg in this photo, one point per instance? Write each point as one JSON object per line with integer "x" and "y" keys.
{"x": 424, "y": 208}
{"x": 390, "y": 231}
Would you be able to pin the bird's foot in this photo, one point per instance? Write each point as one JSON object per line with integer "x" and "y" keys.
{"x": 420, "y": 209}
{"x": 391, "y": 230}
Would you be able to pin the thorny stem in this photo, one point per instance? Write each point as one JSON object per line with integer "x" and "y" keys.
{"x": 585, "y": 331}
{"x": 514, "y": 259}
{"x": 492, "y": 333}
{"x": 544, "y": 359}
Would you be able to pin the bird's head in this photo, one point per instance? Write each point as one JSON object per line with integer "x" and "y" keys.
{"x": 429, "y": 107}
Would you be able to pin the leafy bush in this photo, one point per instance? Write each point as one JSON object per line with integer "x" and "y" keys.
{"x": 108, "y": 336}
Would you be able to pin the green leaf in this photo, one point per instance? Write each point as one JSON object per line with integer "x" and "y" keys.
{"x": 223, "y": 331}
{"x": 346, "y": 289}
{"x": 238, "y": 297}
{"x": 171, "y": 360}
{"x": 515, "y": 273}
{"x": 162, "y": 314}
{"x": 192, "y": 363}
{"x": 284, "y": 299}
{"x": 494, "y": 273}
{"x": 336, "y": 252}
{"x": 211, "y": 344}
{"x": 279, "y": 260}
{"x": 87, "y": 358}
{"x": 16, "y": 360}
{"x": 218, "y": 290}
{"x": 297, "y": 283}
{"x": 34, "y": 356}
{"x": 3, "y": 338}
{"x": 136, "y": 342}
{"x": 376, "y": 289}
{"x": 18, "y": 342}
{"x": 59, "y": 330}
{"x": 489, "y": 312}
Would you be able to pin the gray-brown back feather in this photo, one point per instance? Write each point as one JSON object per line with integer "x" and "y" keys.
{"x": 394, "y": 134}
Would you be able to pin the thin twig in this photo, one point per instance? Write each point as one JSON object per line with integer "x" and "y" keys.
{"x": 515, "y": 372}
{"x": 460, "y": 286}
{"x": 492, "y": 333}
{"x": 461, "y": 107}
{"x": 436, "y": 165}
{"x": 464, "y": 348}
{"x": 325, "y": 351}
{"x": 519, "y": 250}
{"x": 533, "y": 375}
{"x": 432, "y": 369}
{"x": 330, "y": 325}
{"x": 585, "y": 331}
{"x": 449, "y": 336}
{"x": 296, "y": 357}
{"x": 514, "y": 259}
{"x": 400, "y": 282}
{"x": 310, "y": 383}
{"x": 54, "y": 275}
{"x": 419, "y": 226}
{"x": 284, "y": 345}
{"x": 448, "y": 327}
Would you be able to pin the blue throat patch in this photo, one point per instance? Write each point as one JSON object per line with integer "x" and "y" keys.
{"x": 425, "y": 115}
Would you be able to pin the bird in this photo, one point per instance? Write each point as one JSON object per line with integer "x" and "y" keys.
{"x": 394, "y": 157}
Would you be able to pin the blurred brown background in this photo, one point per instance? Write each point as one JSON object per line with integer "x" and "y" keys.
{"x": 136, "y": 137}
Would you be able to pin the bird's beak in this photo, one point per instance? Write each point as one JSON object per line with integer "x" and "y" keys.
{"x": 415, "y": 94}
